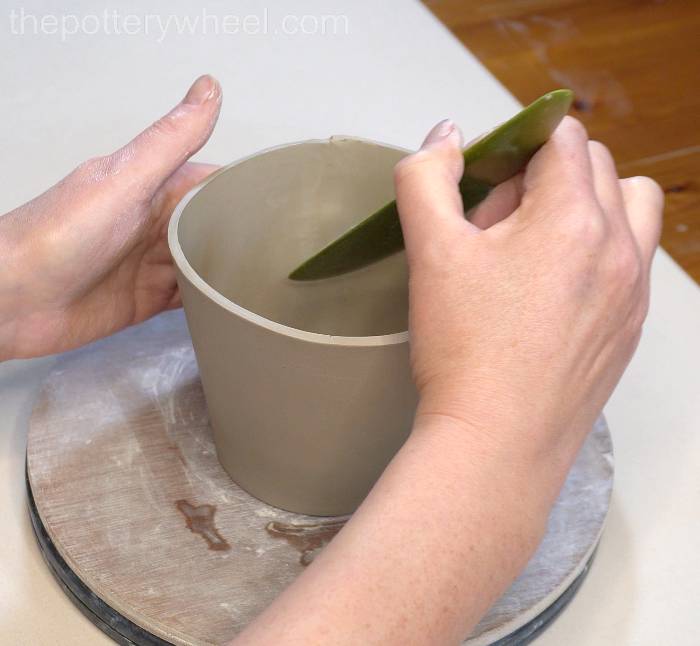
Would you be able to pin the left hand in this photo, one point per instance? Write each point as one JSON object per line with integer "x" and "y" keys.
{"x": 90, "y": 256}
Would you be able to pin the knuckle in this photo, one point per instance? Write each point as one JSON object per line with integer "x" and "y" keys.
{"x": 631, "y": 267}
{"x": 412, "y": 164}
{"x": 585, "y": 228}
{"x": 623, "y": 266}
{"x": 402, "y": 168}
{"x": 643, "y": 309}
{"x": 573, "y": 126}
{"x": 646, "y": 186}
{"x": 636, "y": 320}
{"x": 435, "y": 163}
{"x": 454, "y": 157}
{"x": 166, "y": 126}
{"x": 599, "y": 150}
{"x": 640, "y": 314}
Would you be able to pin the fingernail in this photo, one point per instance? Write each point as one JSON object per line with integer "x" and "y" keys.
{"x": 441, "y": 131}
{"x": 202, "y": 90}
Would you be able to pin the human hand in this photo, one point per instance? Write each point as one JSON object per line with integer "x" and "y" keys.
{"x": 526, "y": 316}
{"x": 90, "y": 256}
{"x": 521, "y": 323}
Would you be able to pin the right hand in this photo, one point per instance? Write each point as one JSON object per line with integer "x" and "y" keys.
{"x": 525, "y": 316}
{"x": 521, "y": 323}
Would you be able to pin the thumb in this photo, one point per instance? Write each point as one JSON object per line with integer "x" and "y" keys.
{"x": 427, "y": 191}
{"x": 156, "y": 153}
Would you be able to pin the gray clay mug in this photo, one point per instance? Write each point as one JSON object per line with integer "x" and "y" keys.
{"x": 308, "y": 385}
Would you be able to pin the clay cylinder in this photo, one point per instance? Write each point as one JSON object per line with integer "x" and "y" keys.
{"x": 308, "y": 385}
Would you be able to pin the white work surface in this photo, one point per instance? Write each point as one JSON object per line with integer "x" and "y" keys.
{"x": 395, "y": 74}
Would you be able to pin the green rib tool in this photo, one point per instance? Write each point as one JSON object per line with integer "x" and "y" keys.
{"x": 494, "y": 158}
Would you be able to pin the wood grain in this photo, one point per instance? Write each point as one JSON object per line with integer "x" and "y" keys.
{"x": 123, "y": 469}
{"x": 635, "y": 68}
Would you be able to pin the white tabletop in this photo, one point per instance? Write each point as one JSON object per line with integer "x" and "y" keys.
{"x": 389, "y": 72}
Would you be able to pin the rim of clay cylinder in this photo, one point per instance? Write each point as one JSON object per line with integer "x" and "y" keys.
{"x": 189, "y": 272}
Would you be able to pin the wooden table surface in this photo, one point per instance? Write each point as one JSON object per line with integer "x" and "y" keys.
{"x": 635, "y": 68}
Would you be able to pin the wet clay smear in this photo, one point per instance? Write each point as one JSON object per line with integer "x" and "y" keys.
{"x": 200, "y": 520}
{"x": 307, "y": 539}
